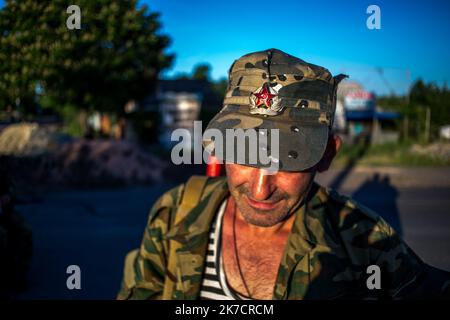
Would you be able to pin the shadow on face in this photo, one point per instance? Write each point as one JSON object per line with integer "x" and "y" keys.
{"x": 267, "y": 199}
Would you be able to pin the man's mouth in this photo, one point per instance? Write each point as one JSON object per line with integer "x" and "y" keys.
{"x": 262, "y": 205}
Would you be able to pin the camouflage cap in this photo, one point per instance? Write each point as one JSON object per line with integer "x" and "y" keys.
{"x": 274, "y": 90}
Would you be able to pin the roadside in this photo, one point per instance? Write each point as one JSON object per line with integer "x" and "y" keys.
{"x": 400, "y": 177}
{"x": 405, "y": 154}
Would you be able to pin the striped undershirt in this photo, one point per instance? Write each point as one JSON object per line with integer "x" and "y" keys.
{"x": 214, "y": 284}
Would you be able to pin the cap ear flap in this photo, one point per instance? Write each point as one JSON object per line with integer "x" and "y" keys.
{"x": 339, "y": 78}
{"x": 336, "y": 80}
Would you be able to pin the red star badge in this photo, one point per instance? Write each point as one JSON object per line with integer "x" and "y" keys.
{"x": 264, "y": 97}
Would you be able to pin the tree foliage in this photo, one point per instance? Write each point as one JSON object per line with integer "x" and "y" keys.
{"x": 116, "y": 56}
{"x": 202, "y": 71}
{"x": 422, "y": 96}
{"x": 436, "y": 98}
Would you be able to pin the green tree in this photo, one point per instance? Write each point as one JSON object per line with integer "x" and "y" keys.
{"x": 437, "y": 99}
{"x": 116, "y": 56}
{"x": 202, "y": 71}
{"x": 422, "y": 96}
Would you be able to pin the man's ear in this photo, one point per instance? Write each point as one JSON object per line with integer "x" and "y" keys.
{"x": 333, "y": 145}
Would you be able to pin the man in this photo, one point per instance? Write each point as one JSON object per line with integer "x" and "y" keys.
{"x": 261, "y": 234}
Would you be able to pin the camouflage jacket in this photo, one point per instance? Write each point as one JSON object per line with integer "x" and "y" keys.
{"x": 332, "y": 243}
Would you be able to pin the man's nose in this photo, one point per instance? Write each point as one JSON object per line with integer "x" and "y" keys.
{"x": 262, "y": 186}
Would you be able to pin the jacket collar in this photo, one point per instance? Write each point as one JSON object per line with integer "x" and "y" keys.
{"x": 200, "y": 218}
{"x": 197, "y": 224}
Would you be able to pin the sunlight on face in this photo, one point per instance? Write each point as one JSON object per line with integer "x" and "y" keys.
{"x": 266, "y": 200}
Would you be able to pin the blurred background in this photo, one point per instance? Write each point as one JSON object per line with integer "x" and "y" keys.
{"x": 86, "y": 116}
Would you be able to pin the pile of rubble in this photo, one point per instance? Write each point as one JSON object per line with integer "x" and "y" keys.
{"x": 107, "y": 161}
{"x": 44, "y": 156}
{"x": 30, "y": 139}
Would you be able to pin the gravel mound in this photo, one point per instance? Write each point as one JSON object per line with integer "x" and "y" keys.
{"x": 41, "y": 155}
{"x": 30, "y": 139}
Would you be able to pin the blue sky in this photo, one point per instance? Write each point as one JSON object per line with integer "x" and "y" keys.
{"x": 413, "y": 41}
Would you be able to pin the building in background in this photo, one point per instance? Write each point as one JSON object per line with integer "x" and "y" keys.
{"x": 174, "y": 104}
{"x": 357, "y": 116}
{"x": 178, "y": 110}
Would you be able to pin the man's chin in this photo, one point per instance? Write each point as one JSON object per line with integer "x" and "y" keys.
{"x": 259, "y": 222}
{"x": 261, "y": 218}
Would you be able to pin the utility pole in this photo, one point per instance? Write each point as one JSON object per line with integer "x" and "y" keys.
{"x": 405, "y": 128}
{"x": 427, "y": 125}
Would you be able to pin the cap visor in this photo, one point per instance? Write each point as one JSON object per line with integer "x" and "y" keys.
{"x": 299, "y": 146}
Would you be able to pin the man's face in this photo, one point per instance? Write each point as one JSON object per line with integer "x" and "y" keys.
{"x": 265, "y": 200}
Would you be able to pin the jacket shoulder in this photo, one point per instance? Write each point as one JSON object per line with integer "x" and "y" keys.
{"x": 343, "y": 207}
{"x": 366, "y": 239}
{"x": 166, "y": 205}
{"x": 357, "y": 225}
